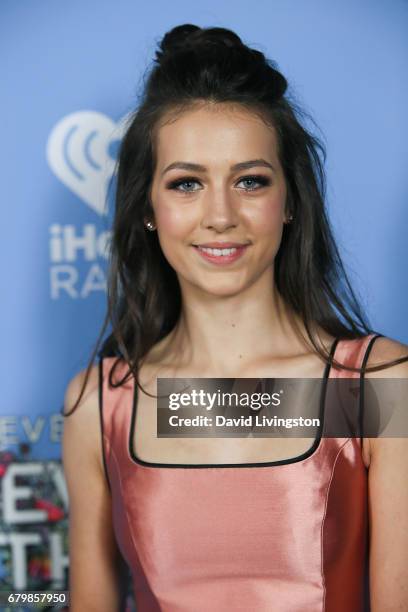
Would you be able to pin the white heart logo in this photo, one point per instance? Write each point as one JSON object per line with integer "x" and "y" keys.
{"x": 78, "y": 154}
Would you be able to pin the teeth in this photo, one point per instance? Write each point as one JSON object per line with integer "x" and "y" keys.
{"x": 218, "y": 252}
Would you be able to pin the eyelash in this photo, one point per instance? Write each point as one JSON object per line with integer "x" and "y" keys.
{"x": 262, "y": 180}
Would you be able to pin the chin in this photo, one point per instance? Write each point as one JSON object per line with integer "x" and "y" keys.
{"x": 222, "y": 290}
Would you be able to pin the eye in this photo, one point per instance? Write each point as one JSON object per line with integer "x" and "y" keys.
{"x": 250, "y": 182}
{"x": 188, "y": 181}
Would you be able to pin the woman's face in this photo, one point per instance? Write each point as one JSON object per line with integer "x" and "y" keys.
{"x": 218, "y": 196}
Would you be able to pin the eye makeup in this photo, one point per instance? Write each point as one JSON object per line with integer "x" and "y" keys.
{"x": 261, "y": 179}
{"x": 257, "y": 178}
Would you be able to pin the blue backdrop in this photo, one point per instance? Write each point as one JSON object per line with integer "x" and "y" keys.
{"x": 70, "y": 73}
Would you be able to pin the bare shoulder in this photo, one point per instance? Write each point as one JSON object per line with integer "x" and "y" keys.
{"x": 75, "y": 385}
{"x": 94, "y": 557}
{"x": 82, "y": 426}
{"x": 384, "y": 351}
{"x": 388, "y": 493}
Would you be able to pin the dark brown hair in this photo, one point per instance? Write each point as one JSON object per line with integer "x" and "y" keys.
{"x": 195, "y": 65}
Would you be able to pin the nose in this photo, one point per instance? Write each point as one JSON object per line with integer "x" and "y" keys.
{"x": 219, "y": 210}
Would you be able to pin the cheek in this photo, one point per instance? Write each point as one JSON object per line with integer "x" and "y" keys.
{"x": 175, "y": 224}
{"x": 267, "y": 216}
{"x": 175, "y": 221}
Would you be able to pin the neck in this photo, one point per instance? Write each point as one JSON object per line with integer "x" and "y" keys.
{"x": 229, "y": 334}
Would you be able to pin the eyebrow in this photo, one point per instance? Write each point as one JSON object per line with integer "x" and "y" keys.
{"x": 199, "y": 168}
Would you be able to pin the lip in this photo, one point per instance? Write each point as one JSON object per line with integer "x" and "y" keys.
{"x": 222, "y": 245}
{"x": 221, "y": 260}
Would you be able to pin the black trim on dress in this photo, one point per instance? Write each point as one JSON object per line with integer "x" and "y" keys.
{"x": 301, "y": 457}
{"x": 100, "y": 401}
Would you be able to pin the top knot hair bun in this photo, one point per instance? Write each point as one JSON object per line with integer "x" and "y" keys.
{"x": 176, "y": 39}
{"x": 213, "y": 62}
{"x": 188, "y": 35}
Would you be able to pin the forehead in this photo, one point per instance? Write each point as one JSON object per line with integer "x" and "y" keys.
{"x": 214, "y": 132}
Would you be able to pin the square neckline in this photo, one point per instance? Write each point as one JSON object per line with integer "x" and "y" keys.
{"x": 297, "y": 459}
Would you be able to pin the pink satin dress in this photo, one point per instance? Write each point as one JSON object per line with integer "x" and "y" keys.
{"x": 284, "y": 536}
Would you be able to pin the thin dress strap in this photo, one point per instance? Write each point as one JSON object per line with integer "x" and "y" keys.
{"x": 352, "y": 353}
{"x": 370, "y": 345}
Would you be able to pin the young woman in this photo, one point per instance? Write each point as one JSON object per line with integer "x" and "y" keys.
{"x": 223, "y": 265}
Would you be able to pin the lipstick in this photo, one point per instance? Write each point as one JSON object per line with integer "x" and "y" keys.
{"x": 221, "y": 253}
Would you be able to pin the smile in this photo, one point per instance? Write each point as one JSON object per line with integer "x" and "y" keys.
{"x": 221, "y": 256}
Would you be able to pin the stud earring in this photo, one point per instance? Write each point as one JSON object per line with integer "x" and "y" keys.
{"x": 150, "y": 226}
{"x": 289, "y": 219}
